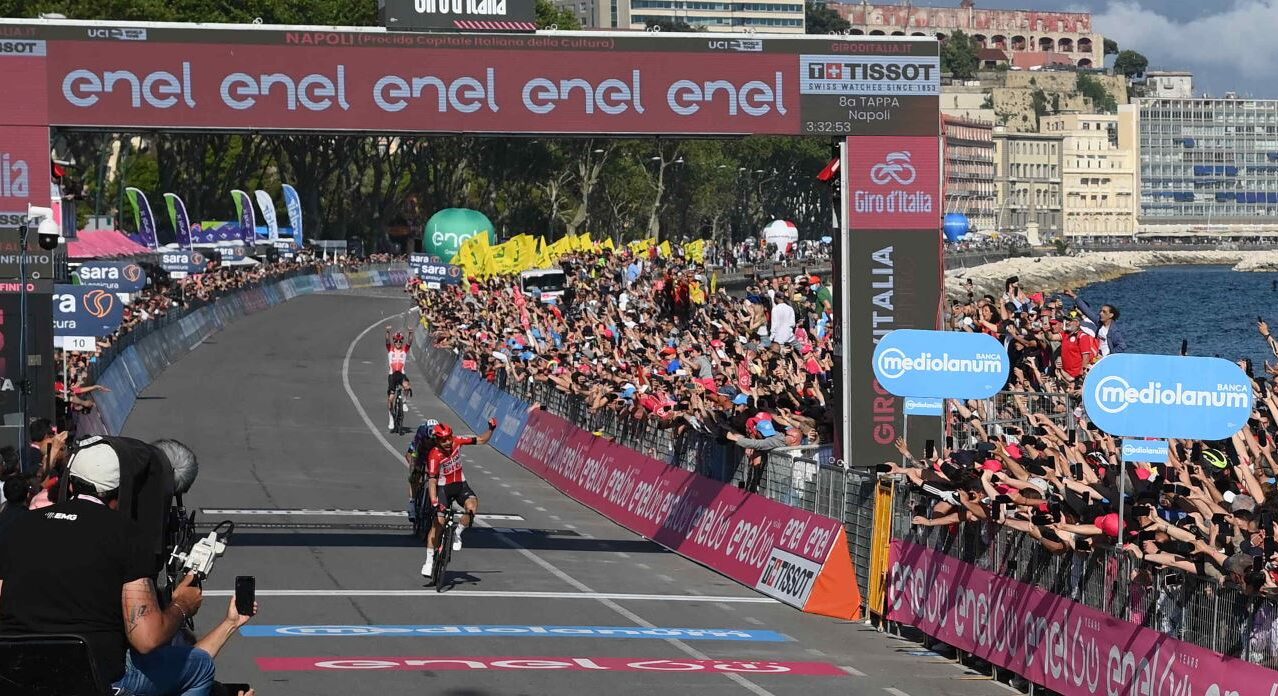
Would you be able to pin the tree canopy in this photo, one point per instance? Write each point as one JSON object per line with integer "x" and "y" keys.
{"x": 960, "y": 56}
{"x": 1130, "y": 63}
{"x": 820, "y": 18}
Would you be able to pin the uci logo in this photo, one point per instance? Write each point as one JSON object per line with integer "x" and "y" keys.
{"x": 132, "y": 273}
{"x": 98, "y": 303}
{"x": 895, "y": 167}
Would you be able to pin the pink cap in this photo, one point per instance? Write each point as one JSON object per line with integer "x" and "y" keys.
{"x": 1109, "y": 524}
{"x": 992, "y": 465}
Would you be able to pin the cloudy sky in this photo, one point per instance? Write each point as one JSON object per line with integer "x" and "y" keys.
{"x": 1228, "y": 44}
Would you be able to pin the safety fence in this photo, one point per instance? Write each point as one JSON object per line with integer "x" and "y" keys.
{"x": 131, "y": 364}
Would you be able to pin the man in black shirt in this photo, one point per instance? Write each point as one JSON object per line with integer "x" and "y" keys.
{"x": 80, "y": 568}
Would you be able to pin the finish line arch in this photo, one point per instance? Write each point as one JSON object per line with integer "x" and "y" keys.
{"x": 877, "y": 95}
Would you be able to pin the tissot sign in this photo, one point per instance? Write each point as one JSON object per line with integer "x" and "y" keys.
{"x": 253, "y": 78}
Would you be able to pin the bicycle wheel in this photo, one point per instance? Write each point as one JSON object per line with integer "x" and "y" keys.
{"x": 444, "y": 554}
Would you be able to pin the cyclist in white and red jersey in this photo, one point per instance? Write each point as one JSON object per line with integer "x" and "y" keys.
{"x": 397, "y": 348}
{"x": 446, "y": 482}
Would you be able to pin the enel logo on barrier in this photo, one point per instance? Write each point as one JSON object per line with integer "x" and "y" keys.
{"x": 1167, "y": 396}
{"x": 944, "y": 364}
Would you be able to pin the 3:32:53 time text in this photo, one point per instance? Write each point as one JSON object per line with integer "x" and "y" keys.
{"x": 827, "y": 127}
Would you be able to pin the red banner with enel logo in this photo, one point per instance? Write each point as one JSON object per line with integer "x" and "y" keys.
{"x": 792, "y": 555}
{"x": 894, "y": 183}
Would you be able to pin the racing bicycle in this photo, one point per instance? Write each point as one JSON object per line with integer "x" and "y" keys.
{"x": 445, "y": 552}
{"x": 398, "y": 411}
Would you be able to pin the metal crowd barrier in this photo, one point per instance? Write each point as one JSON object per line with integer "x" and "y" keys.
{"x": 1191, "y": 608}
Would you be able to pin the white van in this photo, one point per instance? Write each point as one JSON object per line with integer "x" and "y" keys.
{"x": 551, "y": 282}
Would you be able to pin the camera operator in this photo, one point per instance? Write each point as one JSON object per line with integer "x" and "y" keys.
{"x": 97, "y": 583}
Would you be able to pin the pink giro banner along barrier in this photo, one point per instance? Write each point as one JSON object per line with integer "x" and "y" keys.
{"x": 1063, "y": 645}
{"x": 795, "y": 556}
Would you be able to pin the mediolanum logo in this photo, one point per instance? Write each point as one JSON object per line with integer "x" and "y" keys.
{"x": 1168, "y": 396}
{"x": 940, "y": 364}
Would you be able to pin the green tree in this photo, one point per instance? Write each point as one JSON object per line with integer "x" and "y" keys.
{"x": 549, "y": 14}
{"x": 960, "y": 56}
{"x": 1111, "y": 47}
{"x": 1100, "y": 97}
{"x": 1130, "y": 63}
{"x": 820, "y": 18}
{"x": 675, "y": 25}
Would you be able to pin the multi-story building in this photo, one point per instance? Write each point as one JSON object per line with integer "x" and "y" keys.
{"x": 1098, "y": 176}
{"x": 1168, "y": 84}
{"x": 1033, "y": 38}
{"x": 968, "y": 147}
{"x": 1028, "y": 179}
{"x": 1208, "y": 166}
{"x": 773, "y": 16}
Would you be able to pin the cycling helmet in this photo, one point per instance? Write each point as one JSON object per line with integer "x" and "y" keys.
{"x": 426, "y": 430}
{"x": 1215, "y": 458}
{"x": 443, "y": 431}
{"x": 399, "y": 336}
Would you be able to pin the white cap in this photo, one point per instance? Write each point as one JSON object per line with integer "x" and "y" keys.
{"x": 98, "y": 465}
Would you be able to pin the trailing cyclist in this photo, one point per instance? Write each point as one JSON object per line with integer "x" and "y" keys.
{"x": 423, "y": 442}
{"x": 446, "y": 483}
{"x": 397, "y": 348}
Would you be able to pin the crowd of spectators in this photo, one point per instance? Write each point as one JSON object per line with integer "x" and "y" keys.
{"x": 752, "y": 253}
{"x": 647, "y": 338}
{"x": 1031, "y": 460}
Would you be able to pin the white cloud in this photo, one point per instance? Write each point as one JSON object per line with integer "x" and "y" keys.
{"x": 1232, "y": 49}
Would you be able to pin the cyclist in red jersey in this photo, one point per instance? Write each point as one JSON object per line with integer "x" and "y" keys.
{"x": 397, "y": 359}
{"x": 446, "y": 482}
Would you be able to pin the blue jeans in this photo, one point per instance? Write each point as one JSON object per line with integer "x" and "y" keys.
{"x": 168, "y": 671}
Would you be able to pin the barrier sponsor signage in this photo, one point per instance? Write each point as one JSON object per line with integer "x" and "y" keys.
{"x": 76, "y": 344}
{"x": 113, "y": 276}
{"x": 1168, "y": 396}
{"x": 924, "y": 406}
{"x": 727, "y": 634}
{"x": 436, "y": 663}
{"x": 948, "y": 364}
{"x": 439, "y": 273}
{"x": 184, "y": 262}
{"x": 1151, "y": 451}
{"x": 24, "y": 172}
{"x": 894, "y": 183}
{"x": 1066, "y": 646}
{"x": 85, "y": 311}
{"x": 793, "y": 555}
{"x": 476, "y": 400}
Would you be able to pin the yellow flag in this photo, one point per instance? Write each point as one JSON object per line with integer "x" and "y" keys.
{"x": 666, "y": 251}
{"x": 714, "y": 283}
{"x": 608, "y": 244}
{"x": 696, "y": 250}
{"x": 584, "y": 242}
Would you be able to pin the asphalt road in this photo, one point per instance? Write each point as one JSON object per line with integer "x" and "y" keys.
{"x": 286, "y": 410}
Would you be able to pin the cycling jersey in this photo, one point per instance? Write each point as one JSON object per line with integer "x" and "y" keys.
{"x": 446, "y": 468}
{"x": 397, "y": 357}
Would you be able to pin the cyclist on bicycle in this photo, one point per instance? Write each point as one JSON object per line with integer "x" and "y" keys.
{"x": 446, "y": 483}
{"x": 397, "y": 356}
{"x": 423, "y": 442}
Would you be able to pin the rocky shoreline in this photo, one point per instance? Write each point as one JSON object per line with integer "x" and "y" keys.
{"x": 1056, "y": 273}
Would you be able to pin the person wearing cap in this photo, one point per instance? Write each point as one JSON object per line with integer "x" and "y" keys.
{"x": 768, "y": 439}
{"x": 1108, "y": 332}
{"x": 821, "y": 294}
{"x": 78, "y": 567}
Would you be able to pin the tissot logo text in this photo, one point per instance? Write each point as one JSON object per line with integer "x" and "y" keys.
{"x": 1114, "y": 394}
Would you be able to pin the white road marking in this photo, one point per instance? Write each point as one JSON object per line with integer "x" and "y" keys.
{"x": 570, "y": 526}
{"x": 554, "y": 517}
{"x": 665, "y": 578}
{"x": 692, "y": 591}
{"x": 305, "y": 512}
{"x": 852, "y": 670}
{"x": 645, "y": 566}
{"x": 814, "y": 651}
{"x": 725, "y": 607}
{"x": 756, "y": 622}
{"x": 541, "y": 509}
{"x": 894, "y": 691}
{"x": 596, "y": 596}
{"x": 506, "y": 539}
{"x": 623, "y": 554}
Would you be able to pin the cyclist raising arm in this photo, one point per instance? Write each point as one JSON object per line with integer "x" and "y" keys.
{"x": 397, "y": 356}
{"x": 447, "y": 483}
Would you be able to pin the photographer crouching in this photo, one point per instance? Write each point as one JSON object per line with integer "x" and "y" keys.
{"x": 87, "y": 565}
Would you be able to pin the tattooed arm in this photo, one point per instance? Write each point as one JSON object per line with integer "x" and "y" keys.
{"x": 146, "y": 626}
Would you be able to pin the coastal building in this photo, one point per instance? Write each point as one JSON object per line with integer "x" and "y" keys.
{"x": 1208, "y": 167}
{"x": 1032, "y": 38}
{"x": 1028, "y": 182}
{"x": 968, "y": 161}
{"x": 1169, "y": 84}
{"x": 1098, "y": 176}
{"x": 773, "y": 17}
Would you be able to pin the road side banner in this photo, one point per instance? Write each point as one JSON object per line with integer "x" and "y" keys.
{"x": 797, "y": 557}
{"x": 476, "y": 400}
{"x": 275, "y": 78}
{"x": 1066, "y": 646}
